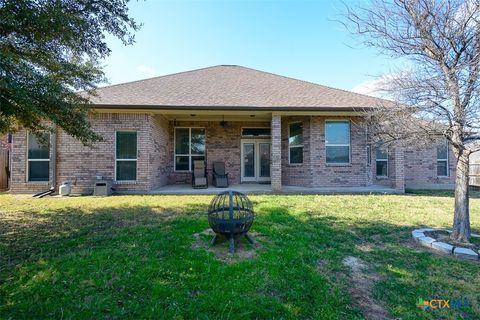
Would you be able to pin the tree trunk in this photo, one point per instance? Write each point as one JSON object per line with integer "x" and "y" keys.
{"x": 461, "y": 218}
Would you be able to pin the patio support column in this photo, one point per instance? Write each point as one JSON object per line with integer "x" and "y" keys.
{"x": 399, "y": 169}
{"x": 276, "y": 157}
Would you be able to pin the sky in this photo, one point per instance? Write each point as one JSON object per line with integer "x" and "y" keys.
{"x": 299, "y": 39}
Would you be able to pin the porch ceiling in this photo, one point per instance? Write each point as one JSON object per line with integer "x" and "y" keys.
{"x": 219, "y": 116}
{"x": 225, "y": 115}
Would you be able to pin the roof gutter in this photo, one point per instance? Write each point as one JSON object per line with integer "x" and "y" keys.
{"x": 231, "y": 108}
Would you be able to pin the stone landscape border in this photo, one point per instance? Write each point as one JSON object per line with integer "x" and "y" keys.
{"x": 429, "y": 242}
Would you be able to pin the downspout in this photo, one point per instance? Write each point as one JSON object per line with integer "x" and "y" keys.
{"x": 369, "y": 166}
{"x": 310, "y": 142}
{"x": 53, "y": 159}
{"x": 10, "y": 156}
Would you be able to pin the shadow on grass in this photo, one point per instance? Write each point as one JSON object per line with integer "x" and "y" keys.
{"x": 67, "y": 227}
{"x": 137, "y": 262}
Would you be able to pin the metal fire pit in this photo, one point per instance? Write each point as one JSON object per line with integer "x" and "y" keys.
{"x": 231, "y": 215}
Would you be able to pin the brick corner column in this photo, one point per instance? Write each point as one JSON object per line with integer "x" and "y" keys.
{"x": 276, "y": 157}
{"x": 399, "y": 169}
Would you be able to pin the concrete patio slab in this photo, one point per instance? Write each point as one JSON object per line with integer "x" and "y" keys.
{"x": 255, "y": 188}
{"x": 185, "y": 189}
{"x": 376, "y": 189}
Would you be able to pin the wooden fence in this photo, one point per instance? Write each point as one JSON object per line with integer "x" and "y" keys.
{"x": 4, "y": 169}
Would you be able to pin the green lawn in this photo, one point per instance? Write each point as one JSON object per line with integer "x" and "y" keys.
{"x": 132, "y": 257}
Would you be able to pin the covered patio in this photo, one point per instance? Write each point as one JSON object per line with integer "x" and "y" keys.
{"x": 256, "y": 188}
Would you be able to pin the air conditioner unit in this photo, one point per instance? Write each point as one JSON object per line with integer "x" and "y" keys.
{"x": 102, "y": 188}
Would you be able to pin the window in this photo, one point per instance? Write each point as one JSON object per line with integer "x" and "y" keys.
{"x": 295, "y": 143}
{"x": 442, "y": 159}
{"x": 126, "y": 156}
{"x": 38, "y": 158}
{"x": 337, "y": 142}
{"x": 256, "y": 132}
{"x": 382, "y": 161}
{"x": 189, "y": 146}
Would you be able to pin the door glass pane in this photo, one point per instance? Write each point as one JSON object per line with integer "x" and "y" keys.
{"x": 264, "y": 149}
{"x": 198, "y": 141}
{"x": 181, "y": 140}
{"x": 126, "y": 145}
{"x": 249, "y": 160}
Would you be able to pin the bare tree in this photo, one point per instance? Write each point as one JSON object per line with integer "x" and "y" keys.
{"x": 438, "y": 92}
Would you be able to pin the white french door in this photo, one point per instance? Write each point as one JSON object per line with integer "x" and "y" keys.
{"x": 255, "y": 160}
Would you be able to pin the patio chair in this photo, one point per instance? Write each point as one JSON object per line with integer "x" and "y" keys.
{"x": 220, "y": 178}
{"x": 199, "y": 175}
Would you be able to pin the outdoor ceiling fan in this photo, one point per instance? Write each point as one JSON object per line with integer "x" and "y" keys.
{"x": 224, "y": 123}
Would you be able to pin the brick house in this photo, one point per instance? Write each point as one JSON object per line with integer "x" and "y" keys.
{"x": 266, "y": 128}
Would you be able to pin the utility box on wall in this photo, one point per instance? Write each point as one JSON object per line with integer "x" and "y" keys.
{"x": 102, "y": 188}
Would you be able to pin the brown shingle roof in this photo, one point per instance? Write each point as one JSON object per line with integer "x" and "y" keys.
{"x": 229, "y": 87}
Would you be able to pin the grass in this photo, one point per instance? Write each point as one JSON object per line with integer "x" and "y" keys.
{"x": 131, "y": 257}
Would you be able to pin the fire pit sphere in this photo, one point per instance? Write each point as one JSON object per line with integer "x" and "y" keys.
{"x": 231, "y": 215}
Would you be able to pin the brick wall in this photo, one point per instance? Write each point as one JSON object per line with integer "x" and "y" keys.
{"x": 19, "y": 183}
{"x": 159, "y": 158}
{"x": 399, "y": 165}
{"x": 389, "y": 180}
{"x": 296, "y": 174}
{"x": 421, "y": 169}
{"x": 80, "y": 164}
{"x": 325, "y": 175}
{"x": 276, "y": 157}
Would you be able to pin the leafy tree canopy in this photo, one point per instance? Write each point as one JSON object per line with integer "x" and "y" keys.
{"x": 49, "y": 51}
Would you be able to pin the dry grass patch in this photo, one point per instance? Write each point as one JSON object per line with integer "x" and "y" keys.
{"x": 243, "y": 249}
{"x": 362, "y": 280}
